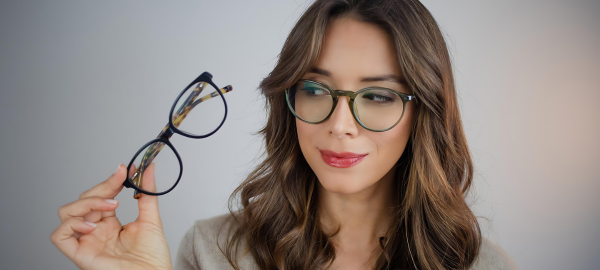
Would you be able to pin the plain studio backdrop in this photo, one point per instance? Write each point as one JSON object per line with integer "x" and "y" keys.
{"x": 85, "y": 84}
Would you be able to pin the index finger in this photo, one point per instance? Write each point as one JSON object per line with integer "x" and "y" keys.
{"x": 108, "y": 188}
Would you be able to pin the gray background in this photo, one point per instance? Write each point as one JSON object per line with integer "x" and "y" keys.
{"x": 84, "y": 84}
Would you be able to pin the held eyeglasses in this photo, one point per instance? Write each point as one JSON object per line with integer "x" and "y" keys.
{"x": 201, "y": 121}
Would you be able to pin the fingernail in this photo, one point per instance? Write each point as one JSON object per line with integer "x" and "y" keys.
{"x": 111, "y": 201}
{"x": 118, "y": 168}
{"x": 93, "y": 225}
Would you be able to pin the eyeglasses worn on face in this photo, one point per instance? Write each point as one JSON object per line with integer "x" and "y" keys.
{"x": 374, "y": 108}
{"x": 201, "y": 122}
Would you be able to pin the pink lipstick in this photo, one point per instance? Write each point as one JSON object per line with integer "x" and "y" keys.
{"x": 341, "y": 160}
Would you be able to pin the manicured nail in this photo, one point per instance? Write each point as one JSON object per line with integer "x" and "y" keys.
{"x": 118, "y": 168}
{"x": 93, "y": 225}
{"x": 111, "y": 201}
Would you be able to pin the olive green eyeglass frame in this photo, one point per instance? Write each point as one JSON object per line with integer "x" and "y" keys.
{"x": 352, "y": 95}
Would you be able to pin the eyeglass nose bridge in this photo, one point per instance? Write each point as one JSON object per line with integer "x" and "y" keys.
{"x": 350, "y": 94}
{"x": 335, "y": 94}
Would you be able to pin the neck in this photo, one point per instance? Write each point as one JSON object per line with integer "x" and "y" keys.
{"x": 363, "y": 217}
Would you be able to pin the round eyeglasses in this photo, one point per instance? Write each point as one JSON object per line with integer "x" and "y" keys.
{"x": 201, "y": 122}
{"x": 374, "y": 108}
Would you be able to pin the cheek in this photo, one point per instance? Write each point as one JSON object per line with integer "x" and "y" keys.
{"x": 303, "y": 130}
{"x": 391, "y": 143}
{"x": 307, "y": 136}
{"x": 390, "y": 147}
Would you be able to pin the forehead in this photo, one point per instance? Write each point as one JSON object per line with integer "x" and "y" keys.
{"x": 352, "y": 48}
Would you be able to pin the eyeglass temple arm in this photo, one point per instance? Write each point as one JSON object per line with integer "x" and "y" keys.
{"x": 189, "y": 104}
{"x": 183, "y": 111}
{"x": 146, "y": 161}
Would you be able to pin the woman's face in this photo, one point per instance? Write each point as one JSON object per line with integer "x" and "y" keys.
{"x": 351, "y": 51}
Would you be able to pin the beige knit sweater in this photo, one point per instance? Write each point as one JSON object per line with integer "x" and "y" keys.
{"x": 198, "y": 250}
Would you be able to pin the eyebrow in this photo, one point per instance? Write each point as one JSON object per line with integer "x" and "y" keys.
{"x": 386, "y": 77}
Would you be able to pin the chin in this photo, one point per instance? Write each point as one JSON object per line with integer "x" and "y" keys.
{"x": 341, "y": 185}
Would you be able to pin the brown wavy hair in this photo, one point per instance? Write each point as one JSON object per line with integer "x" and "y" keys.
{"x": 433, "y": 227}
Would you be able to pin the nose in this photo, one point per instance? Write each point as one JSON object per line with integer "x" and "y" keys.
{"x": 341, "y": 122}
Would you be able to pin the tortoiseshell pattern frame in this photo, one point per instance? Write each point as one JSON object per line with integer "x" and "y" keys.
{"x": 351, "y": 95}
{"x": 173, "y": 127}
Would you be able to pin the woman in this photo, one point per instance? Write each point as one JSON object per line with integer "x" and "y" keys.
{"x": 373, "y": 183}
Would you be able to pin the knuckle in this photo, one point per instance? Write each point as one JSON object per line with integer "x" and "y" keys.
{"x": 83, "y": 195}
{"x": 61, "y": 211}
{"x": 54, "y": 236}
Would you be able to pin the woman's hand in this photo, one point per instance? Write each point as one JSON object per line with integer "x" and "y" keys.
{"x": 92, "y": 236}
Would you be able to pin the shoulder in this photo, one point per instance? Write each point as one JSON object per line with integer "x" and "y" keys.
{"x": 214, "y": 228}
{"x": 493, "y": 257}
{"x": 203, "y": 245}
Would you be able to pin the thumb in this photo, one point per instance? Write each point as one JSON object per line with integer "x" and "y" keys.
{"x": 148, "y": 204}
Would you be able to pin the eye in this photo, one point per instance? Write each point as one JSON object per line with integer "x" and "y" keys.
{"x": 379, "y": 97}
{"x": 312, "y": 89}
{"x": 315, "y": 91}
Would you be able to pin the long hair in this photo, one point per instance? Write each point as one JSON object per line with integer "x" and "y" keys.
{"x": 433, "y": 227}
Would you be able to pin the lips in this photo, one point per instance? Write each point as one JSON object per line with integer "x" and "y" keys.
{"x": 341, "y": 160}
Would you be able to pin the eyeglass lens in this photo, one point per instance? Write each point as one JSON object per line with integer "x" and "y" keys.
{"x": 166, "y": 168}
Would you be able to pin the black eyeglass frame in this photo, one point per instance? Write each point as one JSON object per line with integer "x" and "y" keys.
{"x": 171, "y": 129}
{"x": 351, "y": 95}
